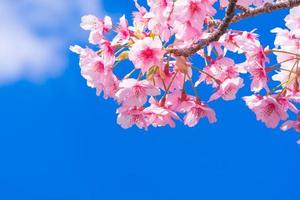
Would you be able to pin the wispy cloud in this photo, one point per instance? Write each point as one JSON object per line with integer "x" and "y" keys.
{"x": 35, "y": 34}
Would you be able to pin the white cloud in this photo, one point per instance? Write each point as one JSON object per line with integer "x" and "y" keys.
{"x": 35, "y": 35}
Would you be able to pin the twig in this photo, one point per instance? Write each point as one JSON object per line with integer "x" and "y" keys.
{"x": 230, "y": 18}
{"x": 215, "y": 36}
{"x": 267, "y": 8}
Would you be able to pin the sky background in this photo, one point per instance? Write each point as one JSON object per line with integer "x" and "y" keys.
{"x": 59, "y": 141}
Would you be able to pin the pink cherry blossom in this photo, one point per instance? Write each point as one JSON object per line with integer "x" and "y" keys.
{"x": 160, "y": 115}
{"x": 179, "y": 101}
{"x": 160, "y": 17}
{"x": 139, "y": 19}
{"x": 198, "y": 111}
{"x": 96, "y": 26}
{"x": 123, "y": 32}
{"x": 293, "y": 19}
{"x": 92, "y": 67}
{"x": 259, "y": 78}
{"x": 228, "y": 89}
{"x": 133, "y": 92}
{"x": 94, "y": 71}
{"x": 129, "y": 116}
{"x": 146, "y": 53}
{"x": 295, "y": 124}
{"x": 267, "y": 109}
{"x": 189, "y": 25}
{"x": 164, "y": 43}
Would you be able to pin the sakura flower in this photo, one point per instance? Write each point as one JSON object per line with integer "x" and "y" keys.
{"x": 228, "y": 89}
{"x": 123, "y": 32}
{"x": 96, "y": 26}
{"x": 286, "y": 41}
{"x": 159, "y": 17}
{"x": 129, "y": 116}
{"x": 285, "y": 101}
{"x": 259, "y": 78}
{"x": 139, "y": 19}
{"x": 247, "y": 42}
{"x": 198, "y": 111}
{"x": 189, "y": 18}
{"x": 218, "y": 71}
{"x": 194, "y": 11}
{"x": 179, "y": 101}
{"x": 94, "y": 71}
{"x": 267, "y": 109}
{"x": 160, "y": 115}
{"x": 295, "y": 124}
{"x": 110, "y": 83}
{"x": 293, "y": 19}
{"x": 134, "y": 93}
{"x": 162, "y": 44}
{"x": 255, "y": 65}
{"x": 146, "y": 53}
{"x": 185, "y": 31}
{"x": 108, "y": 53}
{"x": 92, "y": 67}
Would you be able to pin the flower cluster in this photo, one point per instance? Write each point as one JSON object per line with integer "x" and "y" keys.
{"x": 158, "y": 88}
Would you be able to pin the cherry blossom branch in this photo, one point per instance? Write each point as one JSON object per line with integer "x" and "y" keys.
{"x": 230, "y": 18}
{"x": 267, "y": 8}
{"x": 215, "y": 36}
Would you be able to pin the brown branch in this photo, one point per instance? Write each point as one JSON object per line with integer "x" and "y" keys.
{"x": 215, "y": 36}
{"x": 267, "y": 8}
{"x": 242, "y": 8}
{"x": 230, "y": 18}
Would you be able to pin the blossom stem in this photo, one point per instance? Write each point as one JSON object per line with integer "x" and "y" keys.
{"x": 171, "y": 82}
{"x": 286, "y": 52}
{"x": 270, "y": 68}
{"x": 130, "y": 73}
{"x": 168, "y": 88}
{"x": 193, "y": 86}
{"x": 119, "y": 50}
{"x": 207, "y": 74}
{"x": 286, "y": 83}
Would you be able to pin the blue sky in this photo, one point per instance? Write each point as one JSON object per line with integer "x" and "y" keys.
{"x": 59, "y": 141}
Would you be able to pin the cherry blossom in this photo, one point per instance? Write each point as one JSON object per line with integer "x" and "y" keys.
{"x": 228, "y": 89}
{"x": 197, "y": 111}
{"x": 182, "y": 52}
{"x": 160, "y": 115}
{"x": 129, "y": 116}
{"x": 92, "y": 67}
{"x": 96, "y": 26}
{"x": 123, "y": 32}
{"x": 293, "y": 19}
{"x": 146, "y": 53}
{"x": 134, "y": 93}
{"x": 295, "y": 124}
{"x": 267, "y": 109}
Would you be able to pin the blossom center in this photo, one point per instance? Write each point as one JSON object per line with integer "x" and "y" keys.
{"x": 138, "y": 90}
{"x": 99, "y": 67}
{"x": 194, "y": 7}
{"x": 147, "y": 53}
{"x": 269, "y": 109}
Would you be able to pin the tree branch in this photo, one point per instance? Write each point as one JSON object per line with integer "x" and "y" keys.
{"x": 230, "y": 18}
{"x": 215, "y": 36}
{"x": 267, "y": 8}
